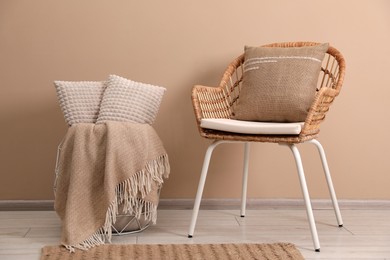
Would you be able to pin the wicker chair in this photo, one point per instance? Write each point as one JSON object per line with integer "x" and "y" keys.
{"x": 219, "y": 102}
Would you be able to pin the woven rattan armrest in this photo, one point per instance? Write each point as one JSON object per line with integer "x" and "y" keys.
{"x": 210, "y": 102}
{"x": 324, "y": 98}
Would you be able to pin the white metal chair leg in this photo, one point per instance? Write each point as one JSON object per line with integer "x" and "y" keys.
{"x": 306, "y": 197}
{"x": 245, "y": 179}
{"x": 202, "y": 181}
{"x": 329, "y": 181}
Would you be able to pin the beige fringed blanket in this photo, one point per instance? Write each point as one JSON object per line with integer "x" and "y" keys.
{"x": 101, "y": 166}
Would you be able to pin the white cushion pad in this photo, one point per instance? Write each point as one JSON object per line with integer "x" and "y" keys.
{"x": 249, "y": 127}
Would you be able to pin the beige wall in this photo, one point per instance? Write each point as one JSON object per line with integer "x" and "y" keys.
{"x": 177, "y": 44}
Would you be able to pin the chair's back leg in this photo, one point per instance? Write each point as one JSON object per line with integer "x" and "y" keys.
{"x": 329, "y": 181}
{"x": 202, "y": 181}
{"x": 306, "y": 196}
{"x": 245, "y": 179}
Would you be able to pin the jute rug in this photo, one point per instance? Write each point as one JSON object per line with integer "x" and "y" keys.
{"x": 177, "y": 252}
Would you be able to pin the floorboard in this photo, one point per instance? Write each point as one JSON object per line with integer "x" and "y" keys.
{"x": 365, "y": 234}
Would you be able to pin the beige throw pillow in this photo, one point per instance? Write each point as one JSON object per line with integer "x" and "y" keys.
{"x": 79, "y": 100}
{"x": 279, "y": 84}
{"x": 127, "y": 100}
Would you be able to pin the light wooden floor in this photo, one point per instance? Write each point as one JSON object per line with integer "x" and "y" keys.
{"x": 365, "y": 235}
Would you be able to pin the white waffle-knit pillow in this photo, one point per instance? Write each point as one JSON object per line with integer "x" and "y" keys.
{"x": 126, "y": 100}
{"x": 80, "y": 100}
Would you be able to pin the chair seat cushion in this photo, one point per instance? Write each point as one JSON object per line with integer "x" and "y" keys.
{"x": 249, "y": 127}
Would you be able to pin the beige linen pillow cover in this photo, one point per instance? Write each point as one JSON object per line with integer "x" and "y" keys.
{"x": 279, "y": 84}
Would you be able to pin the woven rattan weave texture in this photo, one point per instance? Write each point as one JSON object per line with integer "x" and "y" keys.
{"x": 219, "y": 102}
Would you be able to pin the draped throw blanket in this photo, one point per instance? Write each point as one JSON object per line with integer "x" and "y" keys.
{"x": 101, "y": 167}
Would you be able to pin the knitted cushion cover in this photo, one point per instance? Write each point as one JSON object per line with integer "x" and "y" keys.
{"x": 279, "y": 84}
{"x": 79, "y": 100}
{"x": 127, "y": 100}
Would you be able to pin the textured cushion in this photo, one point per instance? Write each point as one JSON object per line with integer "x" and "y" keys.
{"x": 79, "y": 100}
{"x": 126, "y": 100}
{"x": 248, "y": 127}
{"x": 279, "y": 84}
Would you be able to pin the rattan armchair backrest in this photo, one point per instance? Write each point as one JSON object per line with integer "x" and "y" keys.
{"x": 219, "y": 102}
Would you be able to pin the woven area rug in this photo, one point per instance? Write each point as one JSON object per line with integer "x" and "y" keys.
{"x": 177, "y": 252}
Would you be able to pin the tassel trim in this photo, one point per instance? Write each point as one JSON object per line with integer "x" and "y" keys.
{"x": 128, "y": 193}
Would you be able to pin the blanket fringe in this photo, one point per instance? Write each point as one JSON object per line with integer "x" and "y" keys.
{"x": 96, "y": 239}
{"x": 127, "y": 193}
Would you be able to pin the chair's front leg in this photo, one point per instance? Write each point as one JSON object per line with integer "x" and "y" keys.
{"x": 328, "y": 180}
{"x": 306, "y": 196}
{"x": 202, "y": 181}
{"x": 244, "y": 179}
